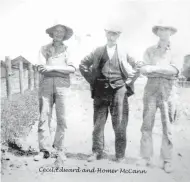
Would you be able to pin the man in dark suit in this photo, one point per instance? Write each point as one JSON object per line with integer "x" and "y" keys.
{"x": 109, "y": 71}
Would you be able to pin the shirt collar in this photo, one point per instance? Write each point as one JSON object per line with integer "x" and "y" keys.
{"x": 114, "y": 47}
{"x": 62, "y": 44}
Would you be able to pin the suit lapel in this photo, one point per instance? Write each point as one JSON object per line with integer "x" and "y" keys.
{"x": 122, "y": 55}
{"x": 99, "y": 55}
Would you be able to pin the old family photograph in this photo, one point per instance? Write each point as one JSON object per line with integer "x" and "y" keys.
{"x": 95, "y": 90}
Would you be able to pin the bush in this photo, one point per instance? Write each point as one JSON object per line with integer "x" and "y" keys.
{"x": 18, "y": 115}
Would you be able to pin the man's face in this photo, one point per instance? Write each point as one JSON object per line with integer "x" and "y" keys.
{"x": 112, "y": 37}
{"x": 59, "y": 33}
{"x": 164, "y": 34}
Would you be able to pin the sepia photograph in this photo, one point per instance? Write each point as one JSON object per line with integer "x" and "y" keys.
{"x": 95, "y": 90}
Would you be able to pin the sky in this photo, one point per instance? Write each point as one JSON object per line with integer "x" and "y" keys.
{"x": 23, "y": 25}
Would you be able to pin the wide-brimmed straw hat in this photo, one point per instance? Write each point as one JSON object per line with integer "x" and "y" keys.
{"x": 163, "y": 25}
{"x": 68, "y": 34}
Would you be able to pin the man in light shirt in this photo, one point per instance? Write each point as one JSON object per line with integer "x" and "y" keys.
{"x": 111, "y": 78}
{"x": 55, "y": 68}
{"x": 159, "y": 93}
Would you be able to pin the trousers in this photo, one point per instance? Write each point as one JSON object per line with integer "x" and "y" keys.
{"x": 118, "y": 106}
{"x": 158, "y": 93}
{"x": 52, "y": 91}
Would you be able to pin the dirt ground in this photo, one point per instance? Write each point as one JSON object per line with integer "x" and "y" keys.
{"x": 78, "y": 143}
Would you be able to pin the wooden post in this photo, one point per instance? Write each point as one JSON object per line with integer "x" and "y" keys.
{"x": 35, "y": 76}
{"x": 21, "y": 77}
{"x": 8, "y": 76}
{"x": 30, "y": 76}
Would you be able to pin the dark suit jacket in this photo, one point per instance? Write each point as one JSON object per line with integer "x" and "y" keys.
{"x": 89, "y": 66}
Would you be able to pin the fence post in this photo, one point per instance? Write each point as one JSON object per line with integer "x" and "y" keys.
{"x": 21, "y": 77}
{"x": 35, "y": 76}
{"x": 30, "y": 76}
{"x": 8, "y": 76}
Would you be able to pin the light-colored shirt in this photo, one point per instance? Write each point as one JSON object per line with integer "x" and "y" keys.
{"x": 155, "y": 55}
{"x": 111, "y": 51}
{"x": 161, "y": 86}
{"x": 48, "y": 56}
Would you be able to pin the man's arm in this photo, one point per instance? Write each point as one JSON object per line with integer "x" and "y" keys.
{"x": 148, "y": 69}
{"x": 136, "y": 65}
{"x": 167, "y": 70}
{"x": 55, "y": 74}
{"x": 60, "y": 69}
{"x": 69, "y": 68}
{"x": 51, "y": 70}
{"x": 85, "y": 67}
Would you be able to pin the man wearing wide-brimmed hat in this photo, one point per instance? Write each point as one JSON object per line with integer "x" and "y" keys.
{"x": 159, "y": 93}
{"x": 55, "y": 67}
{"x": 111, "y": 77}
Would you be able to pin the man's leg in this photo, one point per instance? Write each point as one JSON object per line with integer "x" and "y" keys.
{"x": 45, "y": 104}
{"x": 43, "y": 126}
{"x": 167, "y": 145}
{"x": 61, "y": 123}
{"x": 173, "y": 108}
{"x": 119, "y": 112}
{"x": 100, "y": 117}
{"x": 149, "y": 111}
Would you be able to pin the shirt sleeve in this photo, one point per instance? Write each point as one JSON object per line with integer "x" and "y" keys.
{"x": 175, "y": 65}
{"x": 41, "y": 58}
{"x": 146, "y": 58}
{"x": 146, "y": 62}
{"x": 131, "y": 61}
{"x": 69, "y": 60}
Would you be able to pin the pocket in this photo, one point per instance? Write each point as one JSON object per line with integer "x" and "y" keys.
{"x": 102, "y": 88}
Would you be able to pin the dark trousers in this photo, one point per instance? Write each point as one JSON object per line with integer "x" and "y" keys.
{"x": 118, "y": 106}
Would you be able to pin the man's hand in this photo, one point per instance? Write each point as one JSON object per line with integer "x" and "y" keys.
{"x": 44, "y": 69}
{"x": 139, "y": 64}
